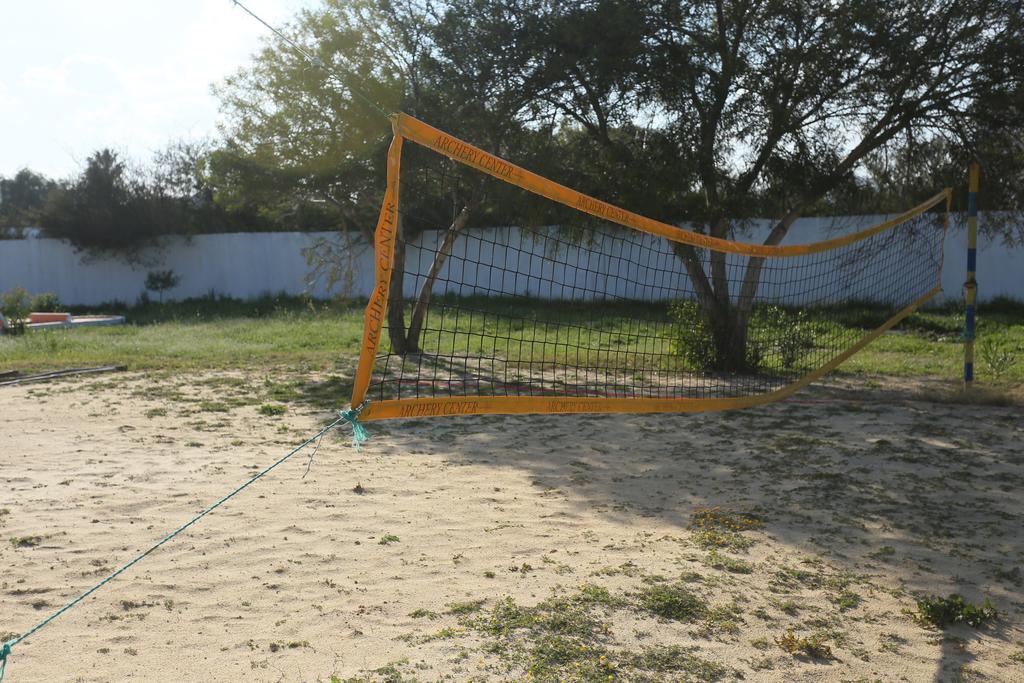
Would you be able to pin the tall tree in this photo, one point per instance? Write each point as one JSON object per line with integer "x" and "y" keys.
{"x": 774, "y": 104}
{"x": 22, "y": 198}
{"x": 298, "y": 130}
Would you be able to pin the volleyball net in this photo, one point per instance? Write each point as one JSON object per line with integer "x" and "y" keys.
{"x": 500, "y": 291}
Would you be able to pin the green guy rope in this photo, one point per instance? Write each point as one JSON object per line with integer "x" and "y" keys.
{"x": 359, "y": 436}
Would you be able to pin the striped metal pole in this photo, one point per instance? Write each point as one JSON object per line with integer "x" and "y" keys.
{"x": 971, "y": 285}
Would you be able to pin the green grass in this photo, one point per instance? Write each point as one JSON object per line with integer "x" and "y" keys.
{"x": 674, "y": 602}
{"x": 199, "y": 333}
{"x": 302, "y": 334}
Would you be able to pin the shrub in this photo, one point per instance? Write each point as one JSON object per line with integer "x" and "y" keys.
{"x": 943, "y": 612}
{"x": 15, "y": 307}
{"x": 47, "y": 302}
{"x": 691, "y": 337}
{"x": 790, "y": 335}
{"x": 772, "y": 333}
{"x": 812, "y": 646}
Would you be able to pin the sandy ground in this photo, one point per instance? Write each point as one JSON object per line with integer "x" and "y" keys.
{"x": 865, "y": 505}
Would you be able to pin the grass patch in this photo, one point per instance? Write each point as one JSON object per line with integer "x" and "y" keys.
{"x": 388, "y": 539}
{"x": 460, "y": 608}
{"x": 272, "y": 409}
{"x": 943, "y": 612}
{"x": 680, "y": 661}
{"x": 675, "y": 602}
{"x": 846, "y": 600}
{"x": 216, "y": 332}
{"x": 716, "y": 560}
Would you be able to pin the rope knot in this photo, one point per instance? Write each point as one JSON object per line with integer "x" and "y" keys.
{"x": 359, "y": 433}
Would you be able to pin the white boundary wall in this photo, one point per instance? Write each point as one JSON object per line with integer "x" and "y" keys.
{"x": 248, "y": 265}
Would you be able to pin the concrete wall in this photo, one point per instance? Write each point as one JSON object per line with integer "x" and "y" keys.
{"x": 246, "y": 265}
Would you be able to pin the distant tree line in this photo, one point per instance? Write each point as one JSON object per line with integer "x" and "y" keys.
{"x": 118, "y": 206}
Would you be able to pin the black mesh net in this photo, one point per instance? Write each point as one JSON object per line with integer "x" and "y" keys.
{"x": 509, "y": 294}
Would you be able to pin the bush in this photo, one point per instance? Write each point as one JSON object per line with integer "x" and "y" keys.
{"x": 943, "y": 612}
{"x": 691, "y": 336}
{"x": 14, "y": 305}
{"x": 47, "y": 302}
{"x": 775, "y": 337}
{"x": 790, "y": 335}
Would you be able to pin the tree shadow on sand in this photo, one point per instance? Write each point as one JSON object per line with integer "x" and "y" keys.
{"x": 911, "y": 498}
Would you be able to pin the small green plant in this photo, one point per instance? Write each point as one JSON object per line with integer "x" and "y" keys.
{"x": 160, "y": 281}
{"x": 943, "y": 612}
{"x": 716, "y": 527}
{"x": 47, "y": 302}
{"x": 673, "y": 601}
{"x": 460, "y": 608}
{"x": 15, "y": 307}
{"x": 26, "y": 541}
{"x": 716, "y": 560}
{"x": 846, "y": 600}
{"x": 388, "y": 539}
{"x": 998, "y": 358}
{"x": 272, "y": 409}
{"x": 423, "y": 614}
{"x": 809, "y": 646}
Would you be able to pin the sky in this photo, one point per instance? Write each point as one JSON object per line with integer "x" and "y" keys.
{"x": 132, "y": 75}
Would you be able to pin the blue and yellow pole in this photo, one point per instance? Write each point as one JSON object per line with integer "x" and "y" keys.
{"x": 971, "y": 285}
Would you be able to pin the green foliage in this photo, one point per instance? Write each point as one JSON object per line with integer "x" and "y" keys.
{"x": 469, "y": 607}
{"x": 790, "y": 335}
{"x": 776, "y": 338}
{"x": 998, "y": 358}
{"x": 15, "y": 307}
{"x": 674, "y": 601}
{"x": 424, "y": 613}
{"x": 942, "y": 612}
{"x": 388, "y": 539}
{"x": 272, "y": 409}
{"x": 846, "y": 599}
{"x": 46, "y": 302}
{"x": 108, "y": 210}
{"x": 160, "y": 281}
{"x": 26, "y": 541}
{"x": 716, "y": 527}
{"x": 716, "y": 560}
{"x": 22, "y": 198}
{"x": 692, "y": 337}
{"x": 813, "y": 646}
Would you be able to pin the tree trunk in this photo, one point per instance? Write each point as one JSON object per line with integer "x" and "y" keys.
{"x": 419, "y": 311}
{"x": 396, "y": 296}
{"x": 728, "y": 322}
